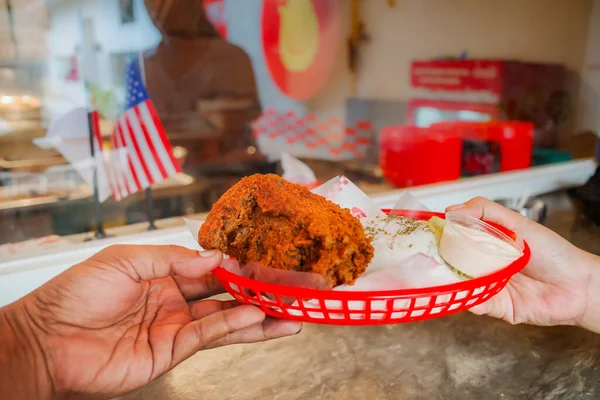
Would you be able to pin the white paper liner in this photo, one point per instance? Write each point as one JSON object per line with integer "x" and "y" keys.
{"x": 408, "y": 202}
{"x": 296, "y": 171}
{"x": 341, "y": 191}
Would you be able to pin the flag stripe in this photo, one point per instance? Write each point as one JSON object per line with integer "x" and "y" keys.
{"x": 118, "y": 172}
{"x": 136, "y": 182}
{"x": 109, "y": 164}
{"x": 113, "y": 174}
{"x": 141, "y": 147}
{"x": 117, "y": 150}
{"x": 147, "y": 175}
{"x": 149, "y": 142}
{"x": 132, "y": 181}
{"x": 138, "y": 168}
{"x": 163, "y": 151}
{"x": 108, "y": 170}
{"x": 115, "y": 139}
{"x": 142, "y": 154}
{"x": 120, "y": 189}
{"x": 162, "y": 136}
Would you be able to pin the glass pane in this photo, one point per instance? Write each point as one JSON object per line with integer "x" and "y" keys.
{"x": 103, "y": 99}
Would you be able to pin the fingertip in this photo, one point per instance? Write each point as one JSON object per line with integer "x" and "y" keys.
{"x": 474, "y": 207}
{"x": 211, "y": 254}
{"x": 478, "y": 200}
{"x": 466, "y": 209}
{"x": 275, "y": 327}
{"x": 455, "y": 207}
{"x": 290, "y": 327}
{"x": 201, "y": 264}
{"x": 212, "y": 258}
{"x": 247, "y": 315}
{"x": 490, "y": 211}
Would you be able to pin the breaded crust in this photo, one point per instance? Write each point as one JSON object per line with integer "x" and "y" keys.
{"x": 266, "y": 219}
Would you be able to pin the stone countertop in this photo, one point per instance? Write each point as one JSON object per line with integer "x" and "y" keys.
{"x": 458, "y": 357}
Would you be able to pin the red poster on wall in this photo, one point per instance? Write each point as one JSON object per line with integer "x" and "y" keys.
{"x": 215, "y": 12}
{"x": 300, "y": 39}
{"x": 457, "y": 75}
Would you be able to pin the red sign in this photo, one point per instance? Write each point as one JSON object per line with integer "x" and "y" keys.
{"x": 300, "y": 39}
{"x": 457, "y": 75}
{"x": 216, "y": 15}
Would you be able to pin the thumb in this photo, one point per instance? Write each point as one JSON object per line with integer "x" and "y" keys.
{"x": 144, "y": 262}
{"x": 499, "y": 306}
{"x": 483, "y": 308}
{"x": 200, "y": 333}
{"x": 491, "y": 211}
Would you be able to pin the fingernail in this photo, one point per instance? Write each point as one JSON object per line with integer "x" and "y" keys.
{"x": 300, "y": 330}
{"x": 209, "y": 253}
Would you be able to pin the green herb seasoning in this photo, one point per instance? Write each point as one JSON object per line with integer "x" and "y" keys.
{"x": 401, "y": 226}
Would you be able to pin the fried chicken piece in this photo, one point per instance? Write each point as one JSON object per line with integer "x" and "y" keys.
{"x": 266, "y": 219}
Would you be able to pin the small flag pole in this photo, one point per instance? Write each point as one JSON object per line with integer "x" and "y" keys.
{"x": 148, "y": 190}
{"x": 100, "y": 233}
{"x": 149, "y": 209}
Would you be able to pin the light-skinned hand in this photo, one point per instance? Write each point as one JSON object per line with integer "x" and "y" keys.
{"x": 558, "y": 285}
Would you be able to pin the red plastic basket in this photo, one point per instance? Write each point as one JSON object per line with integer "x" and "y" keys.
{"x": 370, "y": 307}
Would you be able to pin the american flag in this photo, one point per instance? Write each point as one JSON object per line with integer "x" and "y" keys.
{"x": 145, "y": 156}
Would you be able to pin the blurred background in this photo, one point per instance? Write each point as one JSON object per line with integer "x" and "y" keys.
{"x": 391, "y": 93}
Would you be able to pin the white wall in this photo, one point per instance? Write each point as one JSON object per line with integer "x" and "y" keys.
{"x": 533, "y": 30}
{"x": 590, "y": 80}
